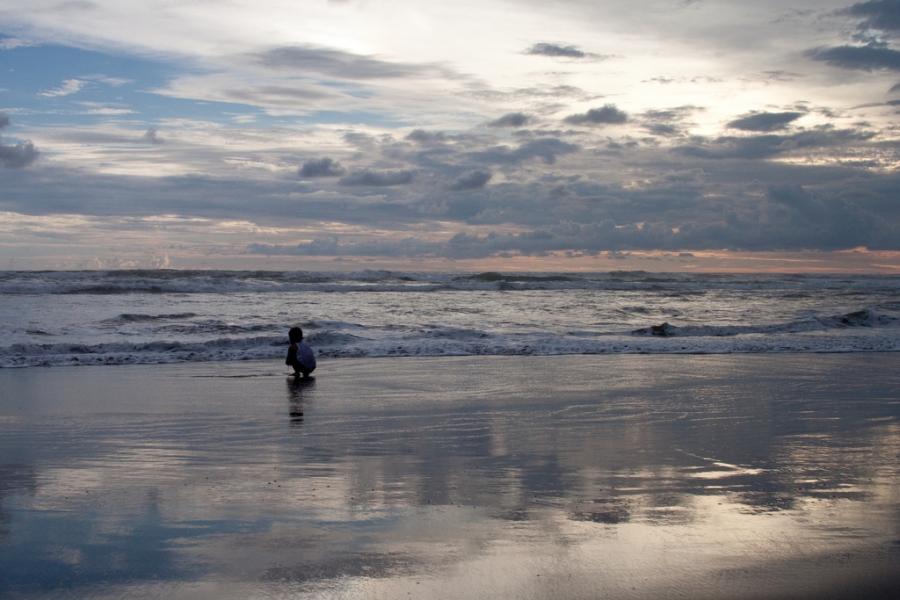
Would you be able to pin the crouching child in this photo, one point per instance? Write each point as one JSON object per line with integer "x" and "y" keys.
{"x": 300, "y": 356}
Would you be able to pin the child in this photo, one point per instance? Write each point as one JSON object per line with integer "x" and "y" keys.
{"x": 300, "y": 356}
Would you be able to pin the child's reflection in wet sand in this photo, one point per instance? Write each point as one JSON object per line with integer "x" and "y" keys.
{"x": 298, "y": 387}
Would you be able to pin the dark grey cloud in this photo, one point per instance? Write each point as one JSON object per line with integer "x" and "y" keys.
{"x": 684, "y": 204}
{"x": 765, "y": 121}
{"x": 607, "y": 115}
{"x": 766, "y": 146}
{"x": 427, "y": 137}
{"x": 362, "y": 141}
{"x": 880, "y": 21}
{"x": 879, "y": 14}
{"x": 663, "y": 129}
{"x": 793, "y": 218}
{"x": 151, "y": 136}
{"x": 556, "y": 51}
{"x": 867, "y": 58}
{"x": 334, "y": 247}
{"x": 564, "y": 51}
{"x": 472, "y": 180}
{"x": 367, "y": 177}
{"x": 18, "y": 156}
{"x": 344, "y": 65}
{"x": 51, "y": 190}
{"x": 546, "y": 148}
{"x": 320, "y": 167}
{"x": 515, "y": 119}
{"x": 789, "y": 218}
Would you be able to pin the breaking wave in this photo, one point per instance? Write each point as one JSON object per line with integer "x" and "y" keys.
{"x": 138, "y": 317}
{"x": 873, "y": 332}
{"x": 861, "y": 318}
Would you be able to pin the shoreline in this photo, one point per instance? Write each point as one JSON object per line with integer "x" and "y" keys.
{"x": 325, "y": 358}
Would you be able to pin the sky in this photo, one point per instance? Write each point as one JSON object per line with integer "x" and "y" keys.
{"x": 661, "y": 135}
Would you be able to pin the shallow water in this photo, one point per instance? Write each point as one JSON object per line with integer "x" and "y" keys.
{"x": 480, "y": 477}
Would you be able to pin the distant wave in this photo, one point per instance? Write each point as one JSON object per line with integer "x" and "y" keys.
{"x": 218, "y": 282}
{"x": 141, "y": 318}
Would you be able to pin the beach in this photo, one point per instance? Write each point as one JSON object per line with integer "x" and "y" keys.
{"x": 617, "y": 476}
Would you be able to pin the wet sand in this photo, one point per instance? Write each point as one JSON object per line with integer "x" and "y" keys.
{"x": 737, "y": 476}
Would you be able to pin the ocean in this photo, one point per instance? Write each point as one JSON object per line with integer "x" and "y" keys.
{"x": 168, "y": 316}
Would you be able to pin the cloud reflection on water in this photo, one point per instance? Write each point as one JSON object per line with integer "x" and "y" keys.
{"x": 621, "y": 476}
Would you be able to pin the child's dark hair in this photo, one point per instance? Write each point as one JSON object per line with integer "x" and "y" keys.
{"x": 295, "y": 335}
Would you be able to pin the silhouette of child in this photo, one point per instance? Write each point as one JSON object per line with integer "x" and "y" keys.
{"x": 300, "y": 356}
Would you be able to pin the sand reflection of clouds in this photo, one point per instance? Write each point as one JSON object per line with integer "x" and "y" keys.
{"x": 448, "y": 484}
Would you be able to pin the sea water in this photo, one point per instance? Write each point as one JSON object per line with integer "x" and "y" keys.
{"x": 165, "y": 316}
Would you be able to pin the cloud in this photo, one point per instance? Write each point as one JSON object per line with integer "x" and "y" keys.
{"x": 787, "y": 217}
{"x": 426, "y": 137}
{"x": 666, "y": 122}
{"x": 473, "y": 180}
{"x": 68, "y": 87}
{"x": 546, "y": 148}
{"x": 366, "y": 177}
{"x": 608, "y": 115}
{"x": 515, "y": 119}
{"x": 322, "y": 167}
{"x": 344, "y": 65}
{"x": 867, "y": 58}
{"x": 881, "y": 14}
{"x": 317, "y": 247}
{"x": 13, "y": 43}
{"x": 780, "y": 75}
{"x": 880, "y": 20}
{"x": 151, "y": 136}
{"x": 560, "y": 51}
{"x": 555, "y": 50}
{"x": 377, "y": 148}
{"x": 76, "y": 5}
{"x": 113, "y": 81}
{"x": 765, "y": 121}
{"x": 110, "y": 111}
{"x": 663, "y": 129}
{"x": 531, "y": 94}
{"x": 286, "y": 96}
{"x": 333, "y": 247}
{"x": 766, "y": 146}
{"x": 18, "y": 156}
{"x": 672, "y": 114}
{"x": 807, "y": 221}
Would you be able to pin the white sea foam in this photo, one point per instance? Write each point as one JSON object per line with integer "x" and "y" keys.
{"x": 115, "y": 317}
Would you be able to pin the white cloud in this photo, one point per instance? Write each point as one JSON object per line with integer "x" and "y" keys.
{"x": 68, "y": 87}
{"x": 109, "y": 111}
{"x": 13, "y": 43}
